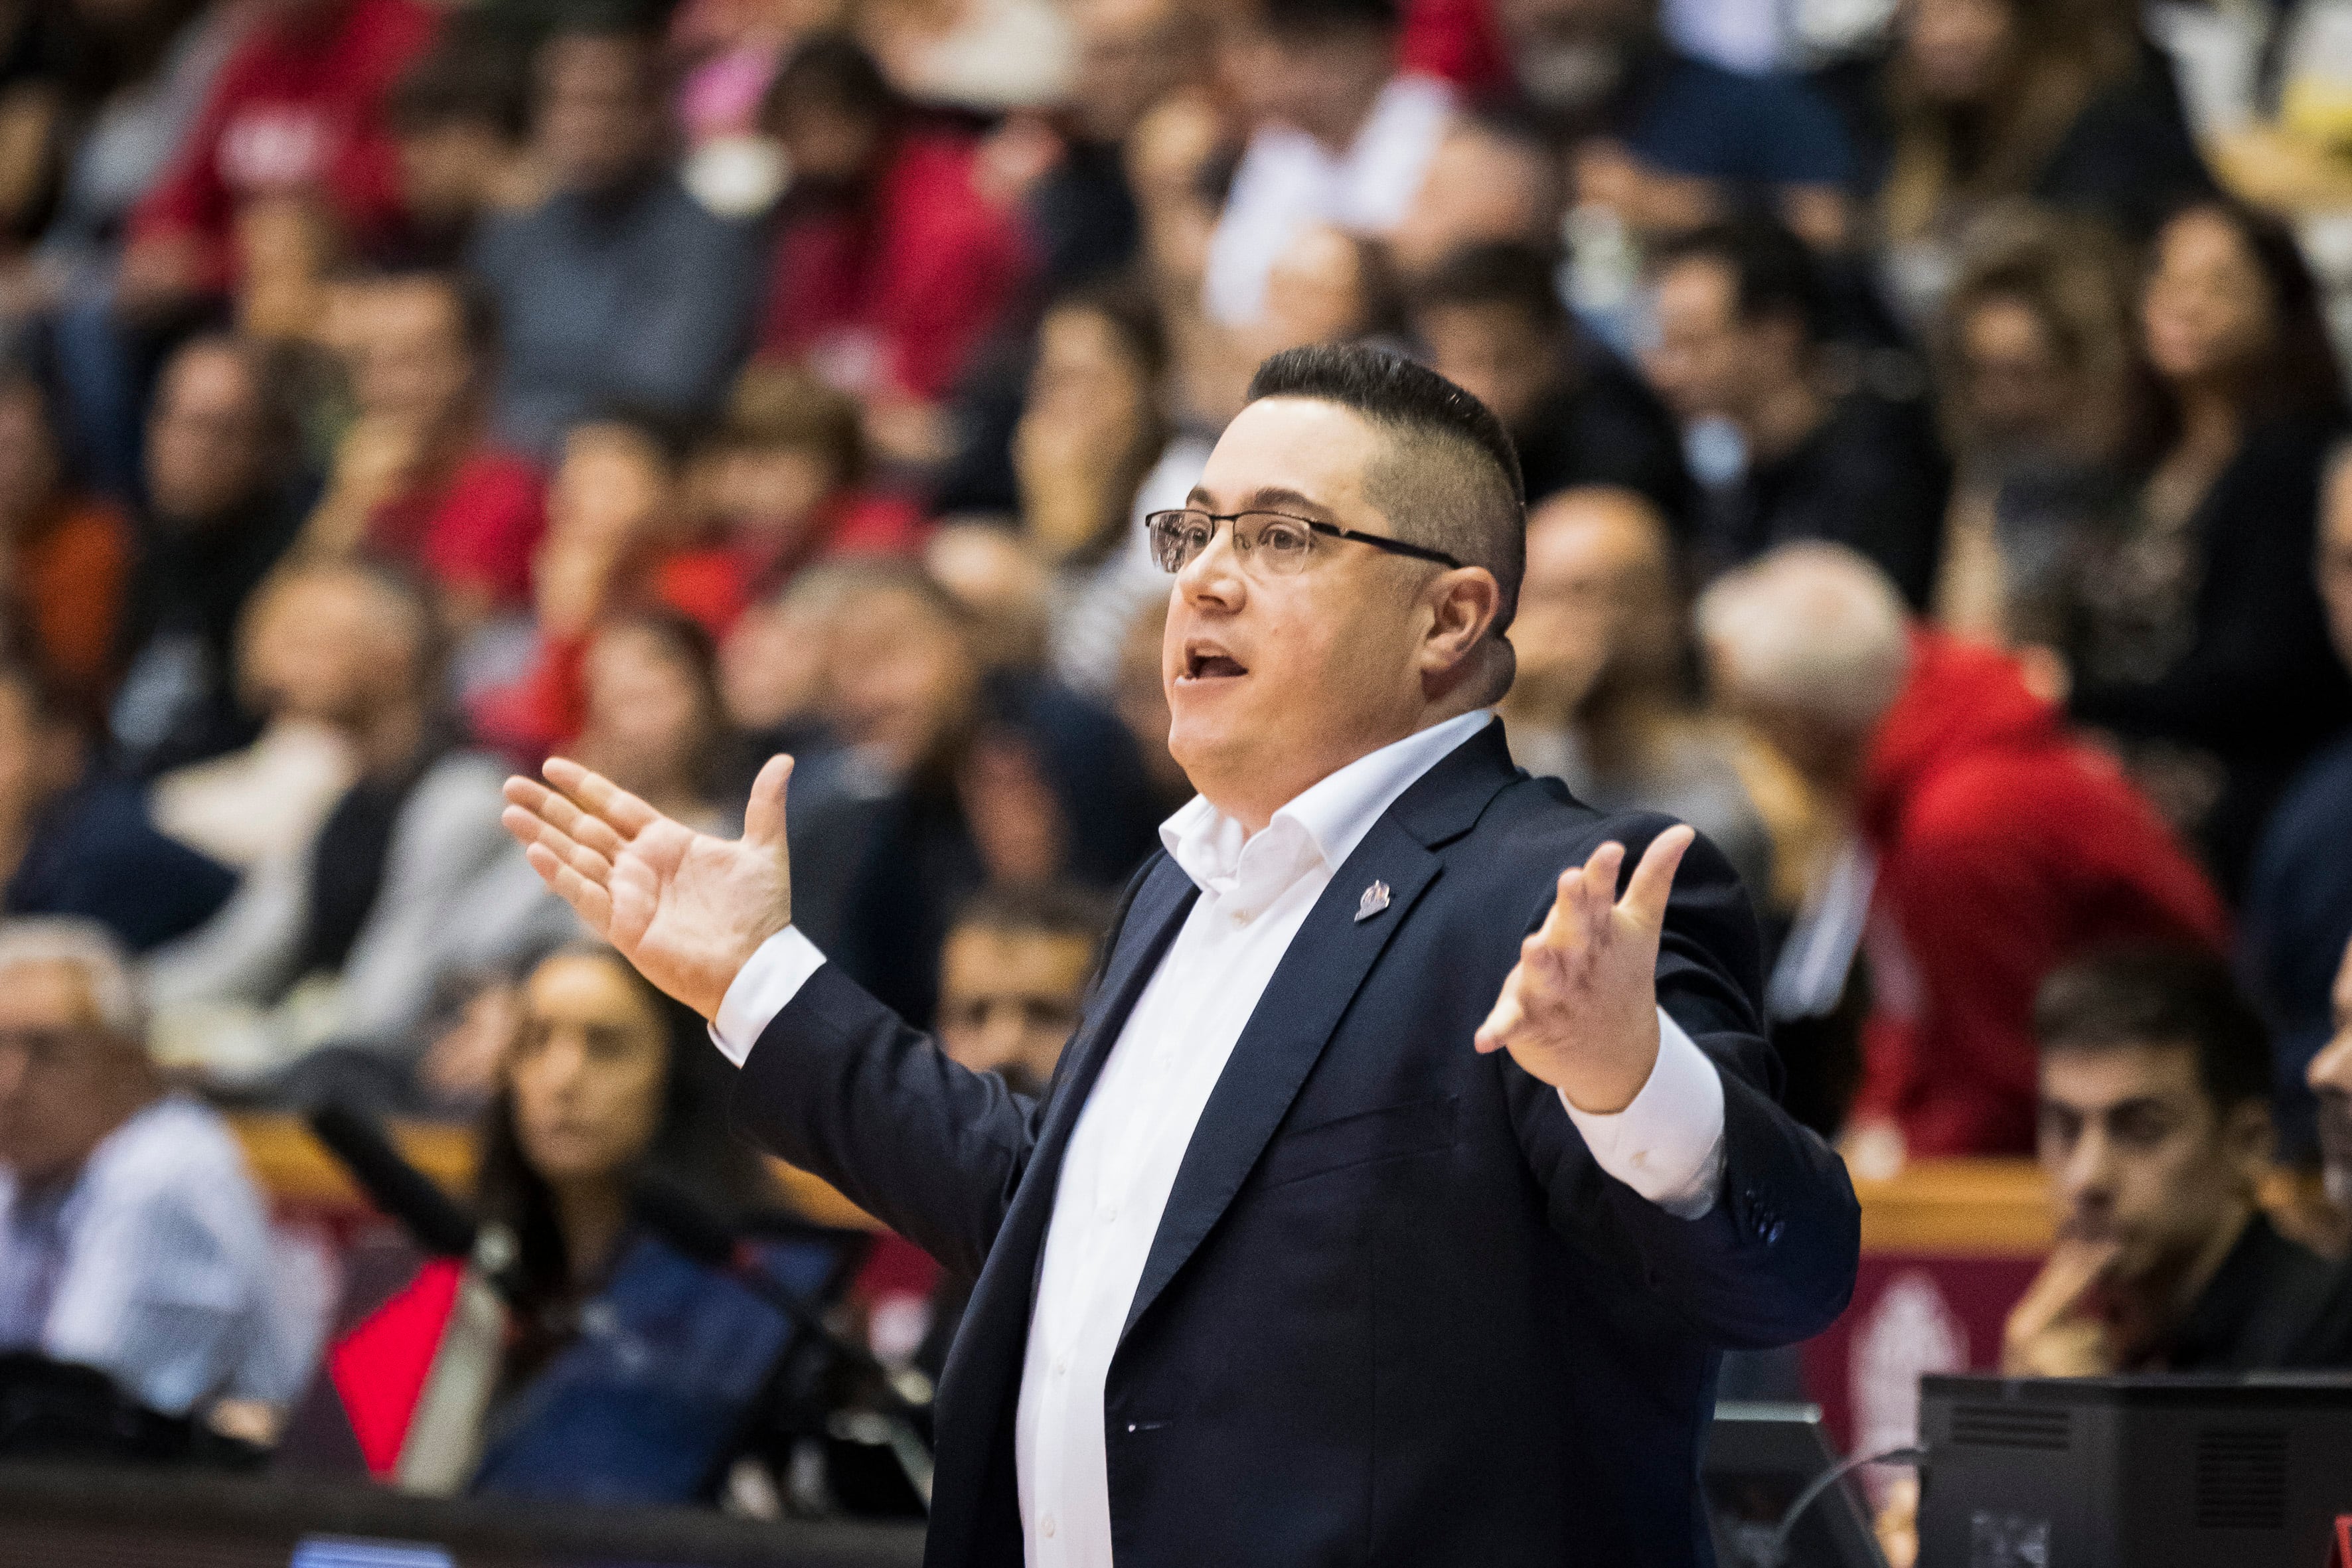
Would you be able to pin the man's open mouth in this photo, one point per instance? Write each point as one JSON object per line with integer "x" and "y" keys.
{"x": 1208, "y": 664}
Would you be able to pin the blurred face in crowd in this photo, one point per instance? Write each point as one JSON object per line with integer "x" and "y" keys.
{"x": 649, "y": 718}
{"x": 2330, "y": 1077}
{"x": 1087, "y": 380}
{"x": 1009, "y": 999}
{"x": 1131, "y": 54}
{"x": 1320, "y": 81}
{"x": 411, "y": 363}
{"x": 1494, "y": 351}
{"x": 1011, "y": 810}
{"x": 29, "y": 457}
{"x": 770, "y": 490}
{"x": 1276, "y": 680}
{"x": 1568, "y": 54}
{"x": 1319, "y": 289}
{"x": 1705, "y": 358}
{"x": 1479, "y": 187}
{"x": 588, "y": 1070}
{"x": 207, "y": 436}
{"x": 65, "y": 1083}
{"x": 1002, "y": 578}
{"x": 2336, "y": 557}
{"x": 829, "y": 146}
{"x": 2016, "y": 391}
{"x": 902, "y": 677}
{"x": 599, "y": 120}
{"x": 2139, "y": 1157}
{"x": 449, "y": 169}
{"x": 1598, "y": 601}
{"x": 333, "y": 647}
{"x": 2206, "y": 308}
{"x": 1956, "y": 50}
{"x": 611, "y": 488}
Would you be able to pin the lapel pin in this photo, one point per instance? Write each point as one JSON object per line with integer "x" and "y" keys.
{"x": 1375, "y": 900}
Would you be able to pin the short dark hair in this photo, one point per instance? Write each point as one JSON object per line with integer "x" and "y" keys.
{"x": 835, "y": 71}
{"x": 1048, "y": 908}
{"x": 1773, "y": 273}
{"x": 667, "y": 434}
{"x": 2159, "y": 997}
{"x": 1452, "y": 482}
{"x": 452, "y": 85}
{"x": 1507, "y": 272}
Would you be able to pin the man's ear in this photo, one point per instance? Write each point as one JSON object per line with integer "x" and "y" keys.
{"x": 2250, "y": 1137}
{"x": 1462, "y": 602}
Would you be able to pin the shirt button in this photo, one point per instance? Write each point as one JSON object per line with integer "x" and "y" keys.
{"x": 1109, "y": 1213}
{"x": 1061, "y": 1365}
{"x": 1240, "y": 917}
{"x": 1046, "y": 1527}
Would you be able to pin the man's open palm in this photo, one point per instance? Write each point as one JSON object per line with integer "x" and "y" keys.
{"x": 1579, "y": 1010}
{"x": 689, "y": 909}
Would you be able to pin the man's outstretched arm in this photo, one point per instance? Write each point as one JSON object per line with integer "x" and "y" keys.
{"x": 835, "y": 1083}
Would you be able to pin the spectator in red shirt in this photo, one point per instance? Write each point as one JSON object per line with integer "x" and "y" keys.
{"x": 299, "y": 112}
{"x": 2004, "y": 847}
{"x": 65, "y": 556}
{"x": 418, "y": 477}
{"x": 783, "y": 483}
{"x": 891, "y": 265}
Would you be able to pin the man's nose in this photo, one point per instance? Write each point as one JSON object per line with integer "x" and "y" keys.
{"x": 2088, "y": 1170}
{"x": 1214, "y": 575}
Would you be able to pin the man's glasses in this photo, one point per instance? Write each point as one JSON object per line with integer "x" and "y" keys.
{"x": 1270, "y": 541}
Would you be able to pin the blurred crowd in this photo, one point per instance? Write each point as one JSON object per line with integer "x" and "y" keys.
{"x": 1932, "y": 415}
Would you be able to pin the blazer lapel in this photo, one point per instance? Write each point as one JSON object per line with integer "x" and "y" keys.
{"x": 1311, "y": 988}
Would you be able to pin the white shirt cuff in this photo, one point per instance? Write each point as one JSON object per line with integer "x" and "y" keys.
{"x": 1667, "y": 1145}
{"x": 763, "y": 988}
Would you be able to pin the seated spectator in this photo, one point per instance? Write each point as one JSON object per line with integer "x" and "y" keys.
{"x": 1983, "y": 100}
{"x": 783, "y": 482}
{"x": 1337, "y": 136}
{"x": 298, "y": 112}
{"x": 2034, "y": 353}
{"x": 891, "y": 266}
{"x": 2200, "y": 641}
{"x": 66, "y": 553}
{"x": 2155, "y": 1134}
{"x": 619, "y": 287}
{"x": 1603, "y": 700}
{"x": 2297, "y": 917}
{"x": 76, "y": 840}
{"x": 226, "y": 497}
{"x": 1094, "y": 451}
{"x": 607, "y": 1080}
{"x": 1493, "y": 180}
{"x": 418, "y": 477}
{"x": 132, "y": 1238}
{"x": 1327, "y": 286}
{"x": 2003, "y": 847}
{"x": 1012, "y": 976}
{"x": 1665, "y": 141}
{"x": 362, "y": 911}
{"x": 458, "y": 123}
{"x": 1742, "y": 314}
{"x": 1493, "y": 322}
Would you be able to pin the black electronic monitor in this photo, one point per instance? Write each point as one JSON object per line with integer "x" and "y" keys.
{"x": 1759, "y": 1460}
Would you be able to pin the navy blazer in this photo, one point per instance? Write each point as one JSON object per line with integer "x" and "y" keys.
{"x": 1394, "y": 1313}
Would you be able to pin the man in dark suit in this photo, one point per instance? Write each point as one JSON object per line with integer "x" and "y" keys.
{"x": 1398, "y": 1189}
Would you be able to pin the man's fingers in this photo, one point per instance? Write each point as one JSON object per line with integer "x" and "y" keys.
{"x": 589, "y": 900}
{"x": 763, "y": 814}
{"x": 2065, "y": 1282}
{"x": 559, "y": 812}
{"x": 538, "y": 831}
{"x": 600, "y": 797}
{"x": 1500, "y": 1023}
{"x": 1654, "y": 879}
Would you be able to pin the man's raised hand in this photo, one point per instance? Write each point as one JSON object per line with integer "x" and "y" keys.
{"x": 687, "y": 909}
{"x": 1579, "y": 1010}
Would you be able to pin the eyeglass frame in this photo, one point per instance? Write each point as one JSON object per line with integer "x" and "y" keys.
{"x": 1377, "y": 541}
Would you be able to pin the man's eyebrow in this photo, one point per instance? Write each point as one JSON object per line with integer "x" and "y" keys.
{"x": 1266, "y": 498}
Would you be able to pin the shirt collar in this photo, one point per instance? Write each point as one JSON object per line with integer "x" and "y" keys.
{"x": 1322, "y": 826}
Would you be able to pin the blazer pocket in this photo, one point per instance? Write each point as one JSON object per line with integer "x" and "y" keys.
{"x": 1391, "y": 1131}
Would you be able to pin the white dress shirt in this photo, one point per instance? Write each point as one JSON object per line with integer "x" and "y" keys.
{"x": 1255, "y": 892}
{"x": 1287, "y": 179}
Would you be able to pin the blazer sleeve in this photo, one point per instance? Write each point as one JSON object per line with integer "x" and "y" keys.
{"x": 1773, "y": 1260}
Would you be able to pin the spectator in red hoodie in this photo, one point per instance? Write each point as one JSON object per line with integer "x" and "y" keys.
{"x": 2003, "y": 846}
{"x": 297, "y": 112}
{"x": 891, "y": 265}
{"x": 418, "y": 477}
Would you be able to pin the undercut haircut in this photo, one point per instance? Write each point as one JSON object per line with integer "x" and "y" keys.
{"x": 1447, "y": 476}
{"x": 2159, "y": 998}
